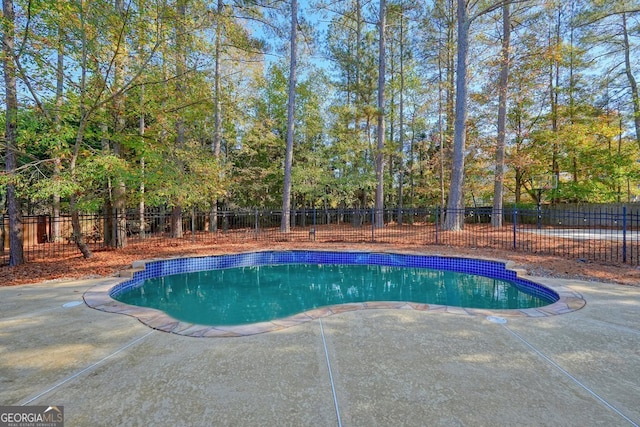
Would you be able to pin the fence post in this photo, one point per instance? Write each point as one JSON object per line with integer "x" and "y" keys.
{"x": 624, "y": 234}
{"x": 373, "y": 224}
{"x": 514, "y": 215}
{"x": 2, "y": 233}
{"x": 193, "y": 224}
{"x": 437, "y": 221}
{"x": 113, "y": 232}
{"x": 256, "y": 223}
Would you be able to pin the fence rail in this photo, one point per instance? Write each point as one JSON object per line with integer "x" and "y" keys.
{"x": 605, "y": 235}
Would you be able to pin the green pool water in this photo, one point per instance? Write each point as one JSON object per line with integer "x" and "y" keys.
{"x": 246, "y": 295}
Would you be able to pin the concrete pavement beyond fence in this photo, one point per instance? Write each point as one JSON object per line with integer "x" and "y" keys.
{"x": 361, "y": 368}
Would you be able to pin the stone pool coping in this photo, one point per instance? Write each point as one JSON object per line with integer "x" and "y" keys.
{"x": 98, "y": 297}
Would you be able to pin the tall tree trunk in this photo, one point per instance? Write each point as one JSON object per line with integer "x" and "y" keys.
{"x": 446, "y": 129}
{"x": 455, "y": 205}
{"x": 16, "y": 250}
{"x": 141, "y": 131}
{"x": 141, "y": 204}
{"x": 77, "y": 235}
{"x": 285, "y": 225}
{"x": 443, "y": 140}
{"x": 358, "y": 52}
{"x": 498, "y": 187}
{"x": 109, "y": 218}
{"x": 519, "y": 174}
{"x": 217, "y": 131}
{"x": 56, "y": 231}
{"x": 411, "y": 161}
{"x": 554, "y": 83}
{"x": 441, "y": 137}
{"x": 82, "y": 110}
{"x": 176, "y": 222}
{"x": 358, "y": 101}
{"x": 451, "y": 74}
{"x": 401, "y": 124}
{"x": 518, "y": 185}
{"x": 120, "y": 124}
{"x": 391, "y": 121}
{"x": 379, "y": 203}
{"x": 572, "y": 87}
{"x": 181, "y": 70}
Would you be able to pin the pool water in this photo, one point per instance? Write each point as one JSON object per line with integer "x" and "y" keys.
{"x": 250, "y": 294}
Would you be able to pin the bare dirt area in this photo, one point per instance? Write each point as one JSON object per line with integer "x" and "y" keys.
{"x": 110, "y": 262}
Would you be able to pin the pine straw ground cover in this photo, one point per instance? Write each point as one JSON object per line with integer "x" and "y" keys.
{"x": 110, "y": 262}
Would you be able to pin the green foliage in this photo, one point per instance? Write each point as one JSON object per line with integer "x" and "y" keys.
{"x": 257, "y": 172}
{"x": 155, "y": 65}
{"x": 191, "y": 180}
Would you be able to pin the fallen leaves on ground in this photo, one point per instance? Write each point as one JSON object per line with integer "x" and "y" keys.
{"x": 110, "y": 262}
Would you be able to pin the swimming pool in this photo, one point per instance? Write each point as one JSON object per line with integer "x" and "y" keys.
{"x": 550, "y": 301}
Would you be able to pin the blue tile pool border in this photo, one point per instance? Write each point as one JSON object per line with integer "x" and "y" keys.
{"x": 101, "y": 296}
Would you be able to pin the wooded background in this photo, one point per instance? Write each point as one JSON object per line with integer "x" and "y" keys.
{"x": 120, "y": 104}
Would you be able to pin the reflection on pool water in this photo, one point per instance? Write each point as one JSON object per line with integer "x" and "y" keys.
{"x": 264, "y": 286}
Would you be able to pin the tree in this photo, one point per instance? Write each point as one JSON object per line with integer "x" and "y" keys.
{"x": 633, "y": 85}
{"x": 467, "y": 13}
{"x": 397, "y": 54}
{"x": 608, "y": 25}
{"x": 95, "y": 72}
{"x": 61, "y": 39}
{"x": 351, "y": 46}
{"x": 496, "y": 216}
{"x": 217, "y": 105}
{"x": 309, "y": 174}
{"x": 119, "y": 56}
{"x": 257, "y": 161}
{"x": 285, "y": 225}
{"x": 379, "y": 202}
{"x": 16, "y": 252}
{"x": 455, "y": 204}
{"x": 440, "y": 31}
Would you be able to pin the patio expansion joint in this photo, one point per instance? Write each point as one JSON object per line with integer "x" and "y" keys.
{"x": 333, "y": 387}
{"x": 566, "y": 373}
{"x": 85, "y": 370}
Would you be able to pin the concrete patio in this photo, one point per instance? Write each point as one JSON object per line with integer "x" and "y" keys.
{"x": 360, "y": 368}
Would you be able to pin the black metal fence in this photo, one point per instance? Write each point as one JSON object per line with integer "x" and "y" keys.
{"x": 603, "y": 235}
